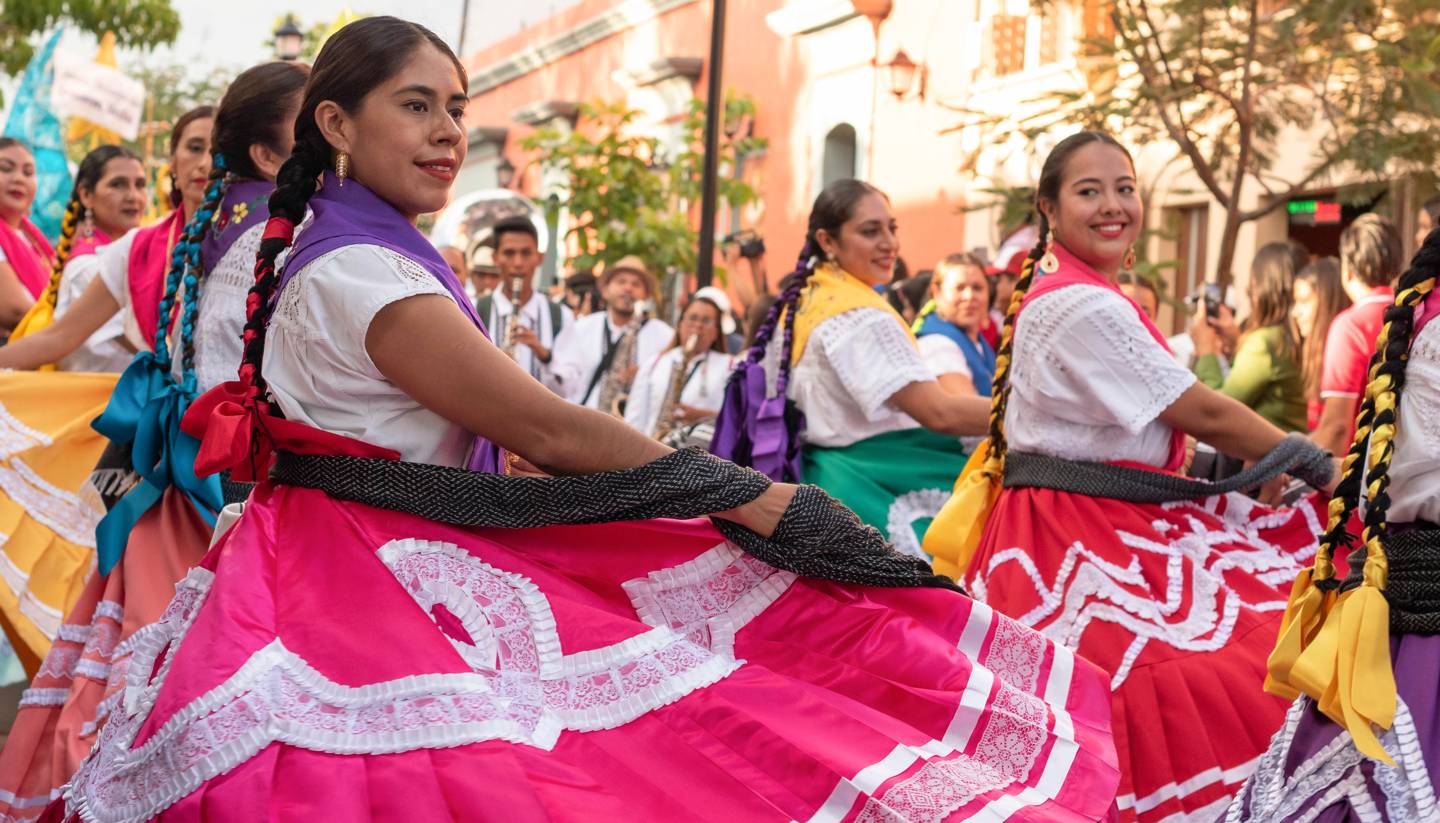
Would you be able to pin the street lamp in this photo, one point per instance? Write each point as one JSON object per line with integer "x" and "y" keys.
{"x": 903, "y": 72}
{"x": 504, "y": 172}
{"x": 289, "y": 39}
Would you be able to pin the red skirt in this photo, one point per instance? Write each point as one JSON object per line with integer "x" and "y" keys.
{"x": 1180, "y": 603}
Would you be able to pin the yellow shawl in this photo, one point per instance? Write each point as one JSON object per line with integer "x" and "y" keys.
{"x": 831, "y": 291}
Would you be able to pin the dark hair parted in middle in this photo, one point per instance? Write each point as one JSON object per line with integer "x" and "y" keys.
{"x": 356, "y": 60}
{"x": 87, "y": 178}
{"x": 835, "y": 205}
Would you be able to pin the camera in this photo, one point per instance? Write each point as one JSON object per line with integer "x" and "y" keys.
{"x": 1210, "y": 293}
{"x": 751, "y": 244}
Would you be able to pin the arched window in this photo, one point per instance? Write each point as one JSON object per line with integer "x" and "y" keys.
{"x": 839, "y": 156}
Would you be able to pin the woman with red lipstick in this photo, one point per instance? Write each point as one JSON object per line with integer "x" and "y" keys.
{"x": 392, "y": 630}
{"x": 1096, "y": 539}
{"x": 108, "y": 200}
{"x": 25, "y": 254}
{"x": 878, "y": 431}
{"x": 132, "y": 267}
{"x": 159, "y": 521}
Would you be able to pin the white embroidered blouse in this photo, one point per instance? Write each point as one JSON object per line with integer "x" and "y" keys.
{"x": 219, "y": 319}
{"x": 852, "y": 365}
{"x": 319, "y": 371}
{"x": 704, "y": 386}
{"x": 1088, "y": 381}
{"x": 105, "y": 350}
{"x": 1415, "y": 464}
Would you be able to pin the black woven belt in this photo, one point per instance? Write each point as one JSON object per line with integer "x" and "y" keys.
{"x": 1413, "y": 580}
{"x": 817, "y": 536}
{"x": 1295, "y": 454}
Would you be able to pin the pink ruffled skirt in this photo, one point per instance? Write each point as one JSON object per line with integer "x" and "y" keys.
{"x": 332, "y": 661}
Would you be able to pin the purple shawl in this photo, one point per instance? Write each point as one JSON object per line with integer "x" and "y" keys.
{"x": 245, "y": 205}
{"x": 353, "y": 215}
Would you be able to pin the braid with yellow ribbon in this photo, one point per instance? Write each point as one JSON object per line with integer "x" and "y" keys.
{"x": 1334, "y": 646}
{"x": 42, "y": 311}
{"x": 955, "y": 533}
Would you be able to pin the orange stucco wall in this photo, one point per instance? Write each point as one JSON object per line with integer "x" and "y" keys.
{"x": 789, "y": 77}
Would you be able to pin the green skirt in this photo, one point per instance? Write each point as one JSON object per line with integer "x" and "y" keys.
{"x": 895, "y": 481}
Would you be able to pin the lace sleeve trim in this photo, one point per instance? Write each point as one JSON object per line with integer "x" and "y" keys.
{"x": 871, "y": 356}
{"x": 1054, "y": 323}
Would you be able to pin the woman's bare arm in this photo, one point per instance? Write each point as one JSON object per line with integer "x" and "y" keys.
{"x": 940, "y": 411}
{"x": 15, "y": 299}
{"x": 84, "y": 316}
{"x": 432, "y": 353}
{"x": 1223, "y": 422}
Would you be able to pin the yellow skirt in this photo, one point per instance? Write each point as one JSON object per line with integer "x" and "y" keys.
{"x": 47, "y": 528}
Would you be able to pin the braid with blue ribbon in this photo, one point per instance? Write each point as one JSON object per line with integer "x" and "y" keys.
{"x": 148, "y": 404}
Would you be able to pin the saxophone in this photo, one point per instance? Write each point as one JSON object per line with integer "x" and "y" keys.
{"x": 615, "y": 390}
{"x": 517, "y": 286}
{"x": 668, "y": 421}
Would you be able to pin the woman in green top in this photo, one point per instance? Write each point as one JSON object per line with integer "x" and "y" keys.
{"x": 1265, "y": 373}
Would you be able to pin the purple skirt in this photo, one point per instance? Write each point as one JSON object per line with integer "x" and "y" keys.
{"x": 1313, "y": 772}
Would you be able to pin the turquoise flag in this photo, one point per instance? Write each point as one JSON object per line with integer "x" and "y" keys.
{"x": 33, "y": 120}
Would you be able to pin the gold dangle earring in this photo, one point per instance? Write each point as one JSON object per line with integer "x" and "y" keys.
{"x": 342, "y": 166}
{"x": 1049, "y": 263}
{"x": 1128, "y": 264}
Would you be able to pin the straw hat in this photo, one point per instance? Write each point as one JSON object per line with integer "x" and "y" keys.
{"x": 633, "y": 264}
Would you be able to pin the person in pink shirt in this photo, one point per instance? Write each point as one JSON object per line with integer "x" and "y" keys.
{"x": 1370, "y": 258}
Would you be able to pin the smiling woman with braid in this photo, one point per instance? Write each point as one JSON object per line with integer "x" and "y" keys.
{"x": 1360, "y": 741}
{"x": 161, "y": 514}
{"x": 1171, "y": 586}
{"x": 393, "y": 631}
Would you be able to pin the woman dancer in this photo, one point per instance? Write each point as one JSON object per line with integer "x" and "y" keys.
{"x": 332, "y": 658}
{"x": 873, "y": 426}
{"x": 1359, "y": 743}
{"x": 161, "y": 527}
{"x": 50, "y": 531}
{"x": 1319, "y": 297}
{"x": 949, "y": 331}
{"x": 1265, "y": 372}
{"x": 1177, "y": 601}
{"x": 698, "y": 351}
{"x": 25, "y": 254}
{"x": 107, "y": 201}
{"x": 53, "y": 528}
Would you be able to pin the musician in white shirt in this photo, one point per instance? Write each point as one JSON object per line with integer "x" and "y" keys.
{"x": 585, "y": 350}
{"x": 703, "y": 375}
{"x": 528, "y": 334}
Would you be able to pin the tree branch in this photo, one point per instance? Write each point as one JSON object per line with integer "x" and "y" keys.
{"x": 1179, "y": 132}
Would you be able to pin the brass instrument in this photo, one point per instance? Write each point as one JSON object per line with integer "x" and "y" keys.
{"x": 668, "y": 421}
{"x": 615, "y": 389}
{"x": 517, "y": 286}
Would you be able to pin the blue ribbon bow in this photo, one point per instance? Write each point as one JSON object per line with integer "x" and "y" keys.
{"x": 145, "y": 411}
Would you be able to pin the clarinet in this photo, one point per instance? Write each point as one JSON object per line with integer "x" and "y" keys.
{"x": 517, "y": 285}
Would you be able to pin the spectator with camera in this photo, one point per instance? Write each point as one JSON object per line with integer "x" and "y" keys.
{"x": 1370, "y": 259}
{"x": 1265, "y": 371}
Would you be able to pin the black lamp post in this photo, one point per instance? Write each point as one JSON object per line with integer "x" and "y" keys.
{"x": 714, "y": 115}
{"x": 289, "y": 39}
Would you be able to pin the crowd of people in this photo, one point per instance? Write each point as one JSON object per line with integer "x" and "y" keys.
{"x": 303, "y": 515}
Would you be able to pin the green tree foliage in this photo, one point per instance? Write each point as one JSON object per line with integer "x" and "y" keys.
{"x": 1233, "y": 84}
{"x": 136, "y": 23}
{"x": 626, "y": 197}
